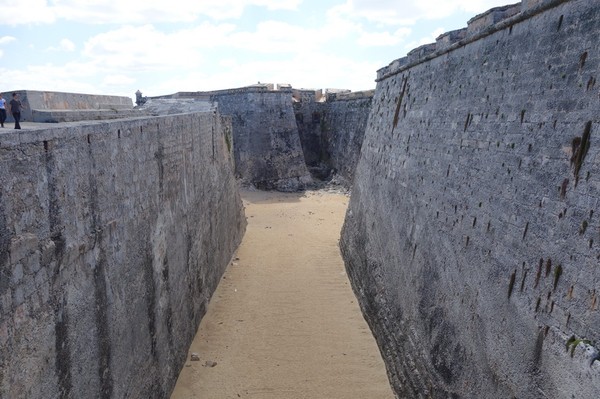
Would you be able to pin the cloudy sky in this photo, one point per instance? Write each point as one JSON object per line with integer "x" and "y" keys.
{"x": 160, "y": 47}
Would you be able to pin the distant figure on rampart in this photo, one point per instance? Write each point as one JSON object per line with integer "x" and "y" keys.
{"x": 15, "y": 109}
{"x": 2, "y": 110}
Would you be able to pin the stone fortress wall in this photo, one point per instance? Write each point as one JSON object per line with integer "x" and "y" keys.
{"x": 52, "y": 106}
{"x": 331, "y": 128}
{"x": 278, "y": 130}
{"x": 472, "y": 235}
{"x": 113, "y": 237}
{"x": 266, "y": 144}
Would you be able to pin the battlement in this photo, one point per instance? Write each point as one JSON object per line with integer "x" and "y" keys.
{"x": 478, "y": 27}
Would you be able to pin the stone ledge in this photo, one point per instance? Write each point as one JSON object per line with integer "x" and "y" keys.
{"x": 355, "y": 95}
{"x": 61, "y": 115}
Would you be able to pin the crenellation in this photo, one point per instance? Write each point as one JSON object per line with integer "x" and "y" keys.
{"x": 491, "y": 17}
{"x": 444, "y": 40}
{"x": 420, "y": 52}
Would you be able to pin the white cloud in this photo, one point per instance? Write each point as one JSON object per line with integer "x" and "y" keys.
{"x": 159, "y": 58}
{"x": 72, "y": 77}
{"x": 67, "y": 45}
{"x": 137, "y": 48}
{"x": 132, "y": 11}
{"x": 326, "y": 71}
{"x": 424, "y": 40}
{"x": 26, "y": 12}
{"x": 392, "y": 12}
{"x": 276, "y": 37}
{"x": 184, "y": 58}
{"x": 6, "y": 39}
{"x": 371, "y": 39}
{"x": 146, "y": 48}
{"x": 118, "y": 80}
{"x": 64, "y": 45}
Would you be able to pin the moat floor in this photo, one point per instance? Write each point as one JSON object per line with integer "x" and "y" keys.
{"x": 284, "y": 322}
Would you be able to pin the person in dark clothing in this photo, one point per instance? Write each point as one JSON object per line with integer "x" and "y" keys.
{"x": 15, "y": 109}
{"x": 2, "y": 110}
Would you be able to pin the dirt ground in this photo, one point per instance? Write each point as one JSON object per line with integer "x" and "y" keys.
{"x": 284, "y": 322}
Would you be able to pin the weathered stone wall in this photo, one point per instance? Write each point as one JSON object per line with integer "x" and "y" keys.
{"x": 344, "y": 129}
{"x": 332, "y": 132}
{"x": 52, "y": 106}
{"x": 267, "y": 146}
{"x": 113, "y": 237}
{"x": 310, "y": 121}
{"x": 472, "y": 236}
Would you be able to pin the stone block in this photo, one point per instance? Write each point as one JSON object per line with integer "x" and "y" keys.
{"x": 22, "y": 245}
{"x": 491, "y": 17}
{"x": 421, "y": 52}
{"x": 445, "y": 40}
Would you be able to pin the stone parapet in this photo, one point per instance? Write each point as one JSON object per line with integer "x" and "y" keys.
{"x": 46, "y": 101}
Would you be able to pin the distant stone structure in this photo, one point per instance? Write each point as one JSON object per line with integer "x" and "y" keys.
{"x": 331, "y": 128}
{"x": 51, "y": 106}
{"x": 265, "y": 140}
{"x": 277, "y": 134}
{"x": 140, "y": 99}
{"x": 471, "y": 238}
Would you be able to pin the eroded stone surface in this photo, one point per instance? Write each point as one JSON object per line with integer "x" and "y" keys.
{"x": 332, "y": 132}
{"x": 113, "y": 237}
{"x": 472, "y": 233}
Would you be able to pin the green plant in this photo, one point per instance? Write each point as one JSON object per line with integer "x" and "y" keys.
{"x": 228, "y": 141}
{"x": 573, "y": 342}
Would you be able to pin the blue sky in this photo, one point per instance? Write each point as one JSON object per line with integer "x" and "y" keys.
{"x": 118, "y": 47}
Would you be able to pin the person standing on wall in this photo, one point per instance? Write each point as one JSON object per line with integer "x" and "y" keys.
{"x": 15, "y": 109}
{"x": 2, "y": 110}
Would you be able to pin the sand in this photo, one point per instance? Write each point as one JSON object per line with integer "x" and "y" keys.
{"x": 284, "y": 322}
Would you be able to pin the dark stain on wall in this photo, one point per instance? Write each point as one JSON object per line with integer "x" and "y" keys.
{"x": 5, "y": 235}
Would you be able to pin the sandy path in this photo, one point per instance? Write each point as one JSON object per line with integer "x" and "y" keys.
{"x": 284, "y": 322}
